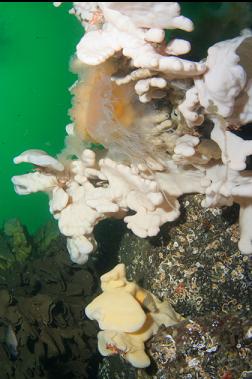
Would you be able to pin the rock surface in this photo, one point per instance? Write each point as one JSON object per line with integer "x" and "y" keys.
{"x": 195, "y": 263}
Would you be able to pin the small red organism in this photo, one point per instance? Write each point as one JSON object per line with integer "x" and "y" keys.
{"x": 180, "y": 288}
{"x": 97, "y": 18}
{"x": 227, "y": 375}
{"x": 114, "y": 350}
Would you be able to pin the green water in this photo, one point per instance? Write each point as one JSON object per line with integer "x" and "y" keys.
{"x": 36, "y": 43}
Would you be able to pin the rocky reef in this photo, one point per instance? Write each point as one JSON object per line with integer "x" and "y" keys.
{"x": 164, "y": 144}
{"x": 203, "y": 274}
{"x": 207, "y": 281}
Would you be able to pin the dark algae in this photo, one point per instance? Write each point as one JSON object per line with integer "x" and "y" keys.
{"x": 42, "y": 300}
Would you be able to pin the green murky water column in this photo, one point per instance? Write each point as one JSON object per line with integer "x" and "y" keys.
{"x": 36, "y": 43}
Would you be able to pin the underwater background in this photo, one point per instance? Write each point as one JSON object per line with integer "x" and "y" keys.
{"x": 36, "y": 43}
{"x": 42, "y": 293}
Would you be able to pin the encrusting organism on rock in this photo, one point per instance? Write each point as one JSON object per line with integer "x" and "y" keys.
{"x": 128, "y": 316}
{"x": 134, "y": 29}
{"x": 87, "y": 191}
{"x": 226, "y": 87}
{"x": 178, "y": 139}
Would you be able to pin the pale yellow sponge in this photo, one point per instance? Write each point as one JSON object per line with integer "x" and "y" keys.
{"x": 128, "y": 316}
